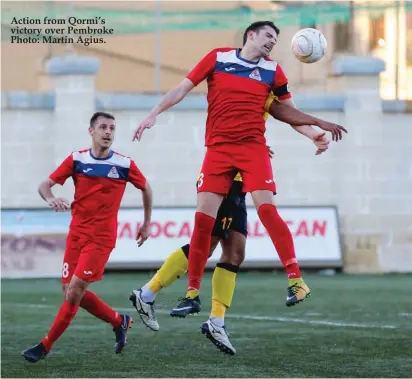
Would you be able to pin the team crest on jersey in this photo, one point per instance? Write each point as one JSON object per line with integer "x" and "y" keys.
{"x": 255, "y": 75}
{"x": 113, "y": 173}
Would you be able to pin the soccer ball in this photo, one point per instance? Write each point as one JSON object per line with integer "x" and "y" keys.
{"x": 309, "y": 45}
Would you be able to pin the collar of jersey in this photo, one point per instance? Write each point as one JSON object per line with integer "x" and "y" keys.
{"x": 101, "y": 159}
{"x": 243, "y": 59}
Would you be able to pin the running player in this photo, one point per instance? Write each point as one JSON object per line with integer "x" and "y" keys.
{"x": 239, "y": 81}
{"x": 100, "y": 176}
{"x": 231, "y": 230}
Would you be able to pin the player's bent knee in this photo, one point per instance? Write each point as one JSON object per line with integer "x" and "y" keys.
{"x": 235, "y": 258}
{"x": 64, "y": 288}
{"x": 74, "y": 295}
{"x": 76, "y": 290}
{"x": 233, "y": 249}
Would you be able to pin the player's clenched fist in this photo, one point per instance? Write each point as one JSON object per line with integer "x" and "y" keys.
{"x": 58, "y": 204}
{"x": 143, "y": 234}
{"x": 147, "y": 123}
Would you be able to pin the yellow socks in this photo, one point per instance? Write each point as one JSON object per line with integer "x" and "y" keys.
{"x": 172, "y": 269}
{"x": 223, "y": 288}
{"x": 191, "y": 294}
{"x": 155, "y": 284}
{"x": 292, "y": 282}
{"x": 218, "y": 309}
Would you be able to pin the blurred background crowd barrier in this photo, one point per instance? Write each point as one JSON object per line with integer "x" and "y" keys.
{"x": 349, "y": 208}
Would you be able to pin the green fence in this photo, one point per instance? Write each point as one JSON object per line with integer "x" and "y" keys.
{"x": 131, "y": 21}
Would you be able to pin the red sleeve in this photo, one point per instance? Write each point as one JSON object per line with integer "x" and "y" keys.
{"x": 280, "y": 86}
{"x": 136, "y": 177}
{"x": 203, "y": 69}
{"x": 64, "y": 171}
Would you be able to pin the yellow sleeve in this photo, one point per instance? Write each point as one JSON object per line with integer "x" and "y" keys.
{"x": 271, "y": 98}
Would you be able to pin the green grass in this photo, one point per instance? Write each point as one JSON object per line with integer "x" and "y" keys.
{"x": 353, "y": 326}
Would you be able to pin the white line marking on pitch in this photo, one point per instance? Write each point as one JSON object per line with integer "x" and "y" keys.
{"x": 313, "y": 322}
{"x": 242, "y": 317}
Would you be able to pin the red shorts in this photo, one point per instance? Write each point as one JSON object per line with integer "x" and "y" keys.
{"x": 222, "y": 161}
{"x": 84, "y": 258}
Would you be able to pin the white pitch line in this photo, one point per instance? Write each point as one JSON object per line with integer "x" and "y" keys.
{"x": 405, "y": 314}
{"x": 290, "y": 320}
{"x": 313, "y": 322}
{"x": 244, "y": 317}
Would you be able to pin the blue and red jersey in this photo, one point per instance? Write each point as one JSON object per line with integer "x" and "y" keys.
{"x": 99, "y": 187}
{"x": 237, "y": 92}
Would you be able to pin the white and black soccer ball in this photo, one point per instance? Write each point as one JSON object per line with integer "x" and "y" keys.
{"x": 309, "y": 45}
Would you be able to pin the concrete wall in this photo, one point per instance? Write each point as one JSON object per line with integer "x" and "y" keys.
{"x": 368, "y": 175}
{"x": 132, "y": 56}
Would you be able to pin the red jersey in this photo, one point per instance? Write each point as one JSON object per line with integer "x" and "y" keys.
{"x": 237, "y": 92}
{"x": 99, "y": 187}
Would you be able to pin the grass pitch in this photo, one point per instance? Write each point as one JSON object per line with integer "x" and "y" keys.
{"x": 352, "y": 326}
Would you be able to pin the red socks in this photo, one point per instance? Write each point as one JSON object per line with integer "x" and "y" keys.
{"x": 92, "y": 304}
{"x": 61, "y": 322}
{"x": 281, "y": 237}
{"x": 199, "y": 248}
{"x": 98, "y": 308}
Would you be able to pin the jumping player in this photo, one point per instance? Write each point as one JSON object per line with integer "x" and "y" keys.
{"x": 239, "y": 81}
{"x": 231, "y": 230}
{"x": 100, "y": 176}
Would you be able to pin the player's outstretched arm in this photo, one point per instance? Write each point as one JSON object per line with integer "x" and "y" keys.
{"x": 144, "y": 230}
{"x": 173, "y": 97}
{"x": 296, "y": 118}
{"x": 56, "y": 203}
{"x": 290, "y": 115}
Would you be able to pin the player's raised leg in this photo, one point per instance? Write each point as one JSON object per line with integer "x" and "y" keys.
{"x": 258, "y": 179}
{"x": 282, "y": 239}
{"x": 101, "y": 310}
{"x": 174, "y": 267}
{"x": 143, "y": 299}
{"x": 223, "y": 287}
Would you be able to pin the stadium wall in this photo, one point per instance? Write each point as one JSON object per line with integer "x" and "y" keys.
{"x": 125, "y": 56}
{"x": 368, "y": 175}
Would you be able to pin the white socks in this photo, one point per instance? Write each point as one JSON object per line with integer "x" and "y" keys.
{"x": 147, "y": 295}
{"x": 218, "y": 321}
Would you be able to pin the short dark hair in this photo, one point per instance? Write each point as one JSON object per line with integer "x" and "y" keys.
{"x": 100, "y": 114}
{"x": 256, "y": 26}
